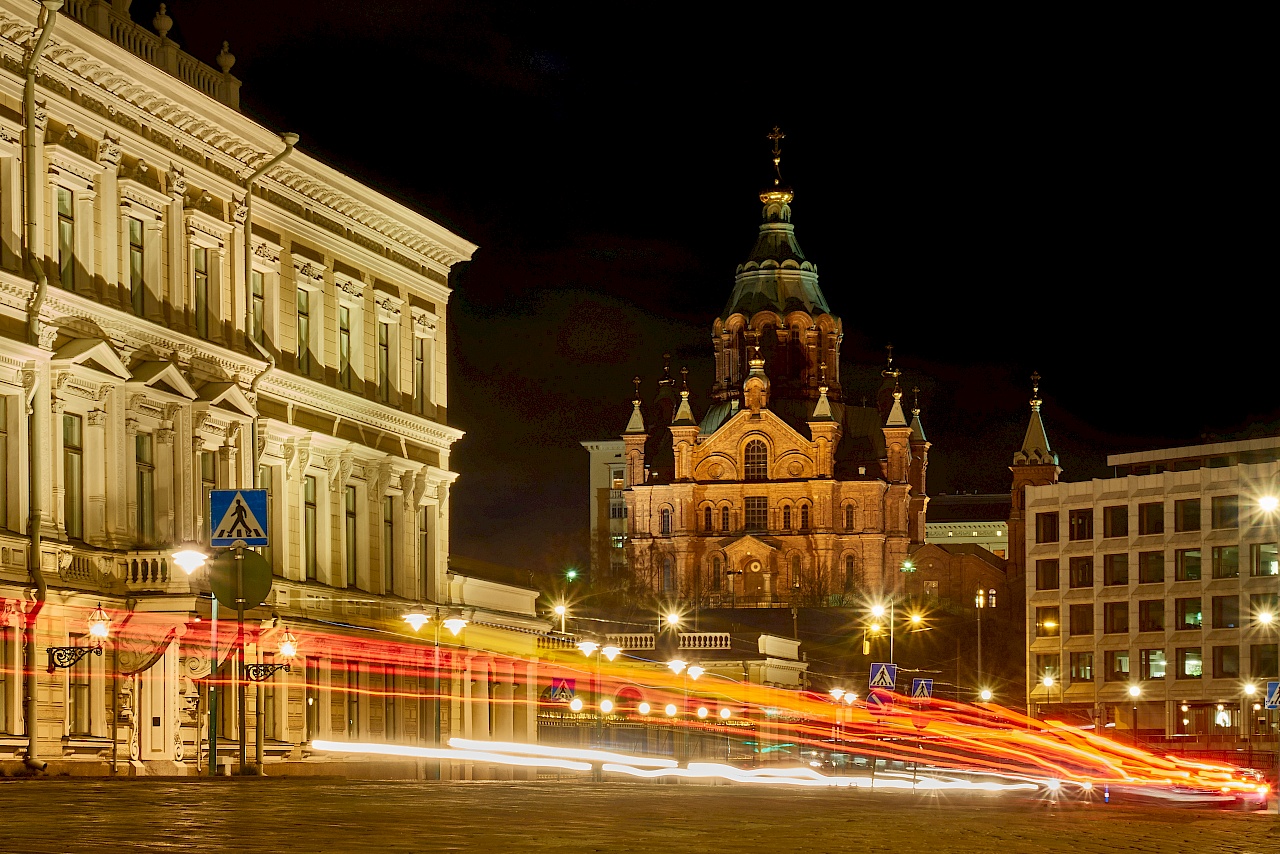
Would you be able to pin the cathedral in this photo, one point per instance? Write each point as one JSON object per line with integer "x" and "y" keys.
{"x": 784, "y": 492}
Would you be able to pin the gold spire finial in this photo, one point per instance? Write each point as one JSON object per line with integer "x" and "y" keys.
{"x": 777, "y": 136}
{"x": 1035, "y": 391}
{"x": 915, "y": 404}
{"x": 666, "y": 370}
{"x": 684, "y": 382}
{"x": 890, "y": 370}
{"x": 636, "y": 382}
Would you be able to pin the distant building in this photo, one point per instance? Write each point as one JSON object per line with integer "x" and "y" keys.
{"x": 979, "y": 520}
{"x": 608, "y": 509}
{"x": 783, "y": 493}
{"x": 1161, "y": 579}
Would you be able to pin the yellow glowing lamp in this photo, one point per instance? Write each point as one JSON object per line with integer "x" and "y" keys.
{"x": 1135, "y": 691}
{"x": 916, "y": 619}
{"x": 986, "y": 695}
{"x": 696, "y": 670}
{"x": 877, "y": 611}
{"x": 416, "y": 619}
{"x": 837, "y": 693}
{"x": 677, "y": 665}
{"x": 576, "y": 704}
{"x": 99, "y": 623}
{"x": 1047, "y": 681}
{"x": 644, "y": 708}
{"x": 288, "y": 645}
{"x": 610, "y": 651}
{"x": 702, "y": 711}
{"x": 587, "y": 647}
{"x": 606, "y": 706}
{"x": 189, "y": 560}
{"x": 455, "y": 624}
{"x": 1266, "y": 618}
{"x": 673, "y": 619}
{"x": 725, "y": 714}
{"x": 1268, "y": 503}
{"x": 671, "y": 710}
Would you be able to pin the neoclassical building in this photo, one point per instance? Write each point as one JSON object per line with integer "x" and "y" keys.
{"x": 784, "y": 492}
{"x": 158, "y": 341}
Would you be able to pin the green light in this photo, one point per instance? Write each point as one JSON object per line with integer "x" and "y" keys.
{"x": 571, "y": 574}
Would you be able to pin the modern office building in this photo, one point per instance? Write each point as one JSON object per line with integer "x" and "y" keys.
{"x": 1152, "y": 594}
{"x": 608, "y": 509}
{"x": 157, "y": 342}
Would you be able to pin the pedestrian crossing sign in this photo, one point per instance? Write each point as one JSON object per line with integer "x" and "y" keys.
{"x": 562, "y": 690}
{"x": 1273, "y": 695}
{"x": 884, "y": 675}
{"x": 921, "y": 689}
{"x": 238, "y": 515}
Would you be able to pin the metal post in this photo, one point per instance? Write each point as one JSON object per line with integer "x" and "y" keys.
{"x": 599, "y": 716}
{"x": 435, "y": 690}
{"x": 258, "y": 717}
{"x": 1134, "y": 723}
{"x": 213, "y": 688}
{"x": 239, "y": 674}
{"x": 891, "y": 620}
{"x": 980, "y": 609}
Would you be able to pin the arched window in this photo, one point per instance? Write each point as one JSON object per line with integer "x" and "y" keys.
{"x": 804, "y": 517}
{"x": 724, "y": 519}
{"x": 755, "y": 461}
{"x": 715, "y": 573}
{"x": 848, "y": 517}
{"x": 706, "y": 518}
{"x": 666, "y": 521}
{"x": 668, "y": 575}
{"x": 991, "y": 598}
{"x": 850, "y": 573}
{"x": 795, "y": 571}
{"x": 786, "y": 518}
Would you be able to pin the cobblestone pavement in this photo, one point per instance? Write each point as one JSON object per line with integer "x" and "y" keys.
{"x": 298, "y": 815}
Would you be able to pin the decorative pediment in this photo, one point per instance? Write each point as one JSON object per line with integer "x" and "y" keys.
{"x": 92, "y": 353}
{"x": 164, "y": 376}
{"x": 228, "y": 396}
{"x": 718, "y": 456}
{"x": 144, "y": 637}
{"x": 745, "y": 547}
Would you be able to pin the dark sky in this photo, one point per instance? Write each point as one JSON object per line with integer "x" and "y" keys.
{"x": 1055, "y": 190}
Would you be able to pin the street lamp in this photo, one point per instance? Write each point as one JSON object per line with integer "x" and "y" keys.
{"x": 288, "y": 648}
{"x": 980, "y": 601}
{"x": 985, "y": 695}
{"x": 69, "y": 656}
{"x": 560, "y": 611}
{"x": 454, "y": 622}
{"x": 190, "y": 558}
{"x": 672, "y": 620}
{"x": 1135, "y": 691}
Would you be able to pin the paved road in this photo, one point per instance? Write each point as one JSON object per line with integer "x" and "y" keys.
{"x": 301, "y": 815}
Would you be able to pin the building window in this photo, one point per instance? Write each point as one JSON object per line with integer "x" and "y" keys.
{"x": 804, "y": 517}
{"x": 304, "y": 331}
{"x": 1263, "y": 662}
{"x": 1226, "y": 662}
{"x": 1117, "y": 665}
{"x": 1151, "y": 615}
{"x": 1047, "y": 622}
{"x": 79, "y": 702}
{"x": 4, "y": 478}
{"x": 258, "y": 289}
{"x": 349, "y": 522}
{"x": 1225, "y": 511}
{"x": 1189, "y": 662}
{"x": 664, "y": 516}
{"x": 716, "y": 569}
{"x": 424, "y": 553}
{"x": 1115, "y": 617}
{"x": 1187, "y": 613}
{"x": 724, "y": 518}
{"x": 309, "y": 526}
{"x": 991, "y": 598}
{"x": 786, "y": 518}
{"x": 1046, "y": 527}
{"x": 1150, "y": 567}
{"x": 706, "y": 519}
{"x": 756, "y": 461}
{"x": 1152, "y": 664}
{"x": 6, "y": 668}
{"x": 311, "y": 678}
{"x": 1047, "y": 574}
{"x": 795, "y": 572}
{"x": 848, "y": 517}
{"x": 1115, "y": 521}
{"x": 344, "y": 346}
{"x": 145, "y": 479}
{"x": 389, "y": 710}
{"x": 137, "y": 285}
{"x": 420, "y": 375}
{"x": 1081, "y": 619}
{"x": 1048, "y": 665}
{"x": 266, "y": 480}
{"x": 1226, "y": 561}
{"x": 1263, "y": 558}
{"x": 1080, "y": 524}
{"x": 1115, "y": 569}
{"x": 73, "y": 475}
{"x": 668, "y": 574}
{"x": 1226, "y": 612}
{"x": 353, "y": 699}
{"x": 1081, "y": 667}
{"x": 269, "y": 700}
{"x": 384, "y": 362}
{"x": 850, "y": 573}
{"x": 1186, "y": 565}
{"x": 757, "y": 514}
{"x": 200, "y": 266}
{"x": 1151, "y": 518}
{"x": 208, "y": 483}
{"x": 388, "y": 545}
{"x": 66, "y": 238}
{"x": 1080, "y": 570}
{"x": 1186, "y": 514}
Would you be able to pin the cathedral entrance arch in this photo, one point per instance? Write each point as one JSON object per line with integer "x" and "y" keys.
{"x": 754, "y": 586}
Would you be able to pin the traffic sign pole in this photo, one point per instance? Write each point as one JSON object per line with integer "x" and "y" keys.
{"x": 240, "y": 670}
{"x": 213, "y": 688}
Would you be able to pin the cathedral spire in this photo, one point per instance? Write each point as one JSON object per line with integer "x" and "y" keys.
{"x": 822, "y": 411}
{"x": 917, "y": 428}
{"x": 636, "y": 424}
{"x": 896, "y": 416}
{"x": 684, "y": 415}
{"x": 1035, "y": 445}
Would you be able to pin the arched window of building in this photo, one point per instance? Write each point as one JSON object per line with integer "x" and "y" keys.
{"x": 848, "y": 517}
{"x": 666, "y": 521}
{"x": 715, "y": 573}
{"x": 668, "y": 574}
{"x": 991, "y": 598}
{"x": 804, "y": 517}
{"x": 755, "y": 461}
{"x": 786, "y": 517}
{"x": 850, "y": 573}
{"x": 706, "y": 518}
{"x": 795, "y": 571}
{"x": 724, "y": 519}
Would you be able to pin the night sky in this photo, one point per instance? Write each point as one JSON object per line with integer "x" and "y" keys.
{"x": 1054, "y": 192}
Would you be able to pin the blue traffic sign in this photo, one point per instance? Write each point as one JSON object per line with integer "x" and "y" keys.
{"x": 238, "y": 515}
{"x": 879, "y": 702}
{"x": 1273, "y": 695}
{"x": 921, "y": 689}
{"x": 884, "y": 675}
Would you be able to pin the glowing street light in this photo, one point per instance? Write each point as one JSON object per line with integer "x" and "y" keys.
{"x": 985, "y": 695}
{"x": 672, "y": 620}
{"x": 288, "y": 645}
{"x": 417, "y": 618}
{"x": 99, "y": 624}
{"x": 560, "y": 611}
{"x": 1135, "y": 691}
{"x": 702, "y": 711}
{"x": 606, "y": 706}
{"x": 1268, "y": 503}
{"x": 837, "y": 693}
{"x": 610, "y": 651}
{"x": 190, "y": 559}
{"x": 1266, "y": 618}
{"x": 725, "y": 714}
{"x": 677, "y": 665}
{"x": 694, "y": 671}
{"x": 644, "y": 708}
{"x": 576, "y": 704}
{"x": 917, "y": 619}
{"x": 1250, "y": 689}
{"x": 586, "y": 647}
{"x": 877, "y": 611}
{"x": 455, "y": 624}
{"x": 670, "y": 710}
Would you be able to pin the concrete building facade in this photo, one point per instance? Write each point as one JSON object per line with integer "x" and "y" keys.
{"x": 608, "y": 509}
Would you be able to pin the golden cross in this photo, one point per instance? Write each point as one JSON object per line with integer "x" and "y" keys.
{"x": 777, "y": 136}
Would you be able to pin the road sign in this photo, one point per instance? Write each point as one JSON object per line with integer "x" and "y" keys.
{"x": 879, "y": 702}
{"x": 562, "y": 690}
{"x": 239, "y": 515}
{"x": 921, "y": 689}
{"x": 1273, "y": 695}
{"x": 884, "y": 675}
{"x": 254, "y": 581}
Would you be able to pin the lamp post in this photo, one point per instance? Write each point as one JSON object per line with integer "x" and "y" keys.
{"x": 455, "y": 623}
{"x": 679, "y": 667}
{"x": 1269, "y": 504}
{"x": 189, "y": 559}
{"x": 980, "y": 601}
{"x": 733, "y": 586}
{"x": 560, "y": 611}
{"x": 69, "y": 656}
{"x": 1135, "y": 692}
{"x": 879, "y": 611}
